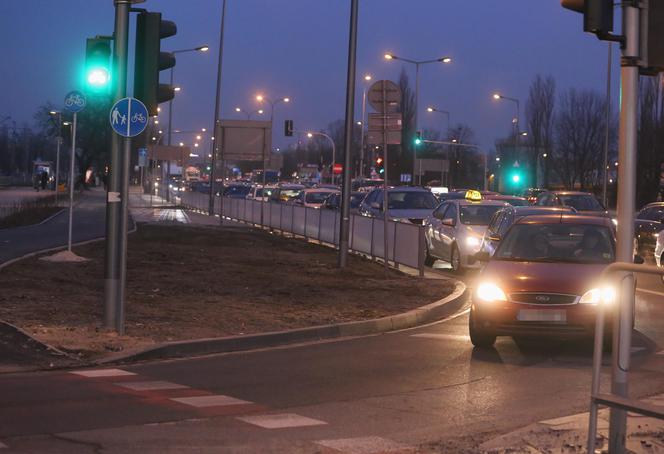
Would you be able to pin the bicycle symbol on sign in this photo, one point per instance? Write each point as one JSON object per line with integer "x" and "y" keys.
{"x": 74, "y": 100}
{"x": 138, "y": 117}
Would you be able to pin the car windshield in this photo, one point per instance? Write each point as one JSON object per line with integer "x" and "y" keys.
{"x": 268, "y": 192}
{"x": 571, "y": 243}
{"x": 237, "y": 190}
{"x": 518, "y": 202}
{"x": 411, "y": 200}
{"x": 316, "y": 197}
{"x": 477, "y": 214}
{"x": 652, "y": 214}
{"x": 581, "y": 202}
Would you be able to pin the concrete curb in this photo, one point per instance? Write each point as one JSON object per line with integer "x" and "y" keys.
{"x": 420, "y": 316}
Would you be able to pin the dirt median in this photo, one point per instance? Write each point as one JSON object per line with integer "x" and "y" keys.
{"x": 186, "y": 282}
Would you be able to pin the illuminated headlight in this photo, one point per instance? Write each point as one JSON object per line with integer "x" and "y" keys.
{"x": 170, "y": 186}
{"x": 472, "y": 241}
{"x": 490, "y": 292}
{"x": 156, "y": 184}
{"x": 615, "y": 221}
{"x": 606, "y": 295}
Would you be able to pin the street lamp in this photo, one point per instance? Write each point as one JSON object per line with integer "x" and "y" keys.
{"x": 367, "y": 78}
{"x": 249, "y": 114}
{"x": 418, "y": 63}
{"x": 334, "y": 151}
{"x": 432, "y": 109}
{"x": 515, "y": 121}
{"x": 58, "y": 116}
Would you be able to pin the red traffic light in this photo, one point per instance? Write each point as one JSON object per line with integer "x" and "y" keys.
{"x": 338, "y": 168}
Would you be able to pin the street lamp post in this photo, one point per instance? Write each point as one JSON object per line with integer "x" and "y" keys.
{"x": 261, "y": 98}
{"x": 432, "y": 109}
{"x": 249, "y": 114}
{"x": 334, "y": 150}
{"x": 516, "y": 129}
{"x": 367, "y": 78}
{"x": 417, "y": 64}
{"x": 58, "y": 115}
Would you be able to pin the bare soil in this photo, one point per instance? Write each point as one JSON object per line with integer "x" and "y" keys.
{"x": 193, "y": 282}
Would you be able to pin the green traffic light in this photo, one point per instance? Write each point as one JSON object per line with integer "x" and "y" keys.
{"x": 516, "y": 178}
{"x": 418, "y": 141}
{"x": 98, "y": 77}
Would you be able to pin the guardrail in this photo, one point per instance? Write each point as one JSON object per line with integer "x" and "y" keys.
{"x": 405, "y": 240}
{"x": 617, "y": 397}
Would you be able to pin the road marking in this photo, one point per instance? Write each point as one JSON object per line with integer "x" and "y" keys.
{"x": 650, "y": 292}
{"x": 150, "y": 385}
{"x": 454, "y": 337}
{"x": 281, "y": 421}
{"x": 103, "y": 373}
{"x": 3, "y": 446}
{"x": 364, "y": 445}
{"x": 210, "y": 401}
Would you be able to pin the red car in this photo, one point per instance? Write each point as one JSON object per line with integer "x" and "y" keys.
{"x": 543, "y": 279}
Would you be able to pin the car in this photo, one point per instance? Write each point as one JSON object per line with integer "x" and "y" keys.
{"x": 257, "y": 193}
{"x": 451, "y": 195}
{"x": 313, "y": 198}
{"x": 583, "y": 202}
{"x": 454, "y": 230}
{"x": 504, "y": 218}
{"x": 511, "y": 199}
{"x": 333, "y": 202}
{"x": 531, "y": 194}
{"x": 543, "y": 279}
{"x": 648, "y": 224}
{"x": 405, "y": 204}
{"x": 366, "y": 184}
{"x": 285, "y": 191}
{"x": 236, "y": 190}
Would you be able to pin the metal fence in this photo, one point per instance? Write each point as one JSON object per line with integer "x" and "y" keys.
{"x": 405, "y": 240}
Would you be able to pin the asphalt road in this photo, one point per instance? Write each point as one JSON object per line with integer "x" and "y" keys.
{"x": 425, "y": 387}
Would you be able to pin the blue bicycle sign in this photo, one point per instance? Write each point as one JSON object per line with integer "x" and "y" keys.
{"x": 75, "y": 101}
{"x": 129, "y": 117}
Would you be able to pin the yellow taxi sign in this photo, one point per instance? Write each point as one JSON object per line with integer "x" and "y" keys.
{"x": 473, "y": 196}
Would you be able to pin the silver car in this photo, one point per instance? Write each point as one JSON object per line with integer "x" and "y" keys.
{"x": 405, "y": 204}
{"x": 455, "y": 229}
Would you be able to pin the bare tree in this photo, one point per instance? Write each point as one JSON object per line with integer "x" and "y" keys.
{"x": 580, "y": 127}
{"x": 651, "y": 134}
{"x": 540, "y": 120}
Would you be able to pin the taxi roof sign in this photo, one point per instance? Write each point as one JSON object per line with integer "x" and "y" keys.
{"x": 473, "y": 196}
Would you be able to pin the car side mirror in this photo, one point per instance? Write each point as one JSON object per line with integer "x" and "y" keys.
{"x": 639, "y": 260}
{"x": 448, "y": 222}
{"x": 376, "y": 205}
{"x": 482, "y": 256}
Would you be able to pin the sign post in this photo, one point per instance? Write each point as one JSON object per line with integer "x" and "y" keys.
{"x": 74, "y": 103}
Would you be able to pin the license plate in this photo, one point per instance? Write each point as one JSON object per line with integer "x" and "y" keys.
{"x": 537, "y": 315}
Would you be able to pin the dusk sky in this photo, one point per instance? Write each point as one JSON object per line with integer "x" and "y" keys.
{"x": 298, "y": 48}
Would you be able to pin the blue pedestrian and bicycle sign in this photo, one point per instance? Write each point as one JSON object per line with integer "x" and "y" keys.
{"x": 129, "y": 117}
{"x": 74, "y": 101}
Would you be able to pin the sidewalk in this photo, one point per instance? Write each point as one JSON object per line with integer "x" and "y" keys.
{"x": 568, "y": 435}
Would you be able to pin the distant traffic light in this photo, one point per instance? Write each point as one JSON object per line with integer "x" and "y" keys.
{"x": 97, "y": 66}
{"x": 150, "y": 60}
{"x": 288, "y": 128}
{"x": 418, "y": 137}
{"x": 380, "y": 166}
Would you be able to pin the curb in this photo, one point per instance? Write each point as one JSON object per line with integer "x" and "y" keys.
{"x": 413, "y": 318}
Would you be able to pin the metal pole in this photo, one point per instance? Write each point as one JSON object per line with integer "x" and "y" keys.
{"x": 364, "y": 114}
{"x": 170, "y": 114}
{"x": 111, "y": 271}
{"x": 57, "y": 158}
{"x": 334, "y": 157}
{"x": 217, "y": 107}
{"x": 71, "y": 181}
{"x": 344, "y": 228}
{"x": 608, "y": 124}
{"x": 124, "y": 231}
{"x": 385, "y": 186}
{"x": 622, "y": 326}
{"x": 417, "y": 103}
{"x": 486, "y": 165}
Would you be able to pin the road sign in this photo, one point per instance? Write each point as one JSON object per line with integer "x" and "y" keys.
{"x": 75, "y": 101}
{"x": 391, "y": 99}
{"x": 129, "y": 117}
{"x": 338, "y": 168}
{"x": 391, "y": 137}
{"x": 379, "y": 121}
{"x": 142, "y": 157}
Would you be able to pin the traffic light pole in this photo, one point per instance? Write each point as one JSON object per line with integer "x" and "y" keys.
{"x": 625, "y": 230}
{"x": 344, "y": 228}
{"x": 112, "y": 290}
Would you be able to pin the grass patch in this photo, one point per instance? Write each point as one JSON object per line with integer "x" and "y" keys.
{"x": 28, "y": 212}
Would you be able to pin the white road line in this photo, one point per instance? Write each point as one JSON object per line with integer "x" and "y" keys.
{"x": 150, "y": 385}
{"x": 103, "y": 373}
{"x": 3, "y": 446}
{"x": 650, "y": 292}
{"x": 454, "y": 337}
{"x": 364, "y": 445}
{"x": 210, "y": 401}
{"x": 281, "y": 421}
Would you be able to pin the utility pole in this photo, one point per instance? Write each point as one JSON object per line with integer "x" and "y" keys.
{"x": 344, "y": 228}
{"x": 605, "y": 171}
{"x": 217, "y": 108}
{"x": 113, "y": 204}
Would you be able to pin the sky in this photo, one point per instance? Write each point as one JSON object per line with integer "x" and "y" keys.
{"x": 298, "y": 48}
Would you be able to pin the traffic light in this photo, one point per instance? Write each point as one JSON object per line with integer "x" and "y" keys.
{"x": 150, "y": 60}
{"x": 418, "y": 137}
{"x": 288, "y": 128}
{"x": 380, "y": 167}
{"x": 597, "y": 15}
{"x": 97, "y": 66}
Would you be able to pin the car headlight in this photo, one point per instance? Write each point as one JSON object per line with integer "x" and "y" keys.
{"x": 615, "y": 221}
{"x": 490, "y": 292}
{"x": 472, "y": 241}
{"x": 606, "y": 295}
